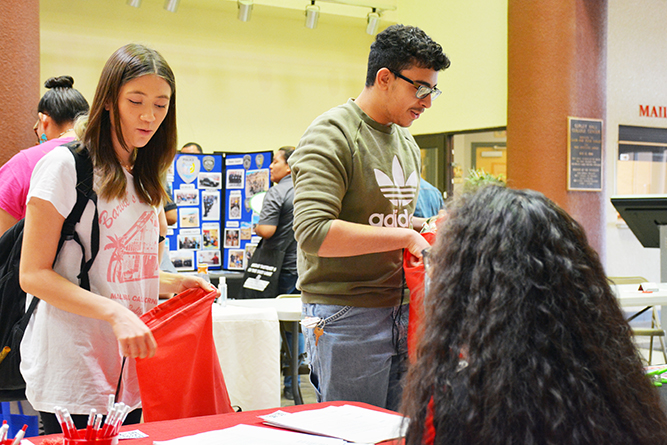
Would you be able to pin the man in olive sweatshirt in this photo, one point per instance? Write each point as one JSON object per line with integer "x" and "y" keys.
{"x": 356, "y": 179}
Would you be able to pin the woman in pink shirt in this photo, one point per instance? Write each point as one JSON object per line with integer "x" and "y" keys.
{"x": 56, "y": 112}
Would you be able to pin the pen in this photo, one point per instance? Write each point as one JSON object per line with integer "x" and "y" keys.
{"x": 3, "y": 430}
{"x": 20, "y": 435}
{"x": 110, "y": 403}
{"x": 69, "y": 424}
{"x": 106, "y": 430}
{"x": 90, "y": 424}
{"x": 121, "y": 418}
{"x": 58, "y": 411}
{"x": 96, "y": 427}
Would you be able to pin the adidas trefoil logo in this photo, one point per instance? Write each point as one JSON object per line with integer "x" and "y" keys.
{"x": 399, "y": 192}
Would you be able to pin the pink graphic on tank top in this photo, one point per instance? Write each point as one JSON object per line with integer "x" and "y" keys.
{"x": 135, "y": 255}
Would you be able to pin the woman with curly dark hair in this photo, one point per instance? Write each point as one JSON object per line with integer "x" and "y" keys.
{"x": 524, "y": 341}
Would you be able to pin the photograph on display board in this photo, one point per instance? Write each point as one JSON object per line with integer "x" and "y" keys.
{"x": 236, "y": 259}
{"x": 189, "y": 242}
{"x": 211, "y": 237}
{"x": 255, "y": 221}
{"x": 232, "y": 238}
{"x": 235, "y": 178}
{"x": 210, "y": 257}
{"x": 246, "y": 231}
{"x": 210, "y": 180}
{"x": 182, "y": 259}
{"x": 186, "y": 197}
{"x": 249, "y": 251}
{"x": 234, "y": 211}
{"x": 256, "y": 181}
{"x": 210, "y": 205}
{"x": 188, "y": 217}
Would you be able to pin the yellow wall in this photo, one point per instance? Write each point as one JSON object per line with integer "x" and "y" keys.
{"x": 474, "y": 37}
{"x": 257, "y": 85}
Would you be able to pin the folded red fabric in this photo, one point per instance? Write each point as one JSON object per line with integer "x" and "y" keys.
{"x": 184, "y": 378}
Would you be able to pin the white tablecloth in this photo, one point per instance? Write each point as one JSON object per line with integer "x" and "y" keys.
{"x": 248, "y": 345}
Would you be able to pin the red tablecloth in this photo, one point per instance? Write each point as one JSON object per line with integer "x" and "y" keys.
{"x": 171, "y": 429}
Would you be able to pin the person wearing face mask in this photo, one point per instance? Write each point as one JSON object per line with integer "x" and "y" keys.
{"x": 56, "y": 113}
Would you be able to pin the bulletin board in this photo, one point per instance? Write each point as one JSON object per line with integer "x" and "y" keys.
{"x": 213, "y": 194}
{"x": 196, "y": 185}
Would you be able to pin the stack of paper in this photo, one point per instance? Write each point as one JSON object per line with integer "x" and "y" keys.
{"x": 251, "y": 435}
{"x": 351, "y": 423}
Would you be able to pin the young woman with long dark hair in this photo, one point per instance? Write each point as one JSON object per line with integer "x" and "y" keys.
{"x": 74, "y": 345}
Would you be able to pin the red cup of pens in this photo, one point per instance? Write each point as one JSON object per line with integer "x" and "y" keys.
{"x": 113, "y": 440}
{"x": 98, "y": 431}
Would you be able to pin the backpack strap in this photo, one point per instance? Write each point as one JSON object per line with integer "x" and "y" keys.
{"x": 84, "y": 193}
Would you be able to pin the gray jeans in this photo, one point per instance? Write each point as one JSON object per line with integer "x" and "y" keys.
{"x": 361, "y": 354}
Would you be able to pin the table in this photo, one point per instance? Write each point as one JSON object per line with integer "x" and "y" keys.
{"x": 629, "y": 296}
{"x": 247, "y": 340}
{"x": 171, "y": 429}
{"x": 289, "y": 311}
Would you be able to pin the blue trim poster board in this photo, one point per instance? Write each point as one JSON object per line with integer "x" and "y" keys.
{"x": 195, "y": 184}
{"x": 246, "y": 176}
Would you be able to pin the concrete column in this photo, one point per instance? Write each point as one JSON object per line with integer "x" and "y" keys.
{"x": 19, "y": 65}
{"x": 556, "y": 69}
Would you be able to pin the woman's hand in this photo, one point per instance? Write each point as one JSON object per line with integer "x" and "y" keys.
{"x": 177, "y": 283}
{"x": 134, "y": 337}
{"x": 190, "y": 281}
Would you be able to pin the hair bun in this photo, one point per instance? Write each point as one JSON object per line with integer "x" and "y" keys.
{"x": 59, "y": 82}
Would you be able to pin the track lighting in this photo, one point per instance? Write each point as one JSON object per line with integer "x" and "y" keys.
{"x": 171, "y": 5}
{"x": 245, "y": 8}
{"x": 312, "y": 15}
{"x": 134, "y": 3}
{"x": 373, "y": 21}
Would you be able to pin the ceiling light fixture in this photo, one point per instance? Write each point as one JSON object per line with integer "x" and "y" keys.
{"x": 245, "y": 8}
{"x": 312, "y": 15}
{"x": 134, "y": 3}
{"x": 171, "y": 5}
{"x": 373, "y": 21}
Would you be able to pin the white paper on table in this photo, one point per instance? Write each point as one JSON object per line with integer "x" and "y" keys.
{"x": 251, "y": 435}
{"x": 348, "y": 422}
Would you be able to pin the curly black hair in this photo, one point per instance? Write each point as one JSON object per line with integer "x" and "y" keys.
{"x": 518, "y": 294}
{"x": 401, "y": 47}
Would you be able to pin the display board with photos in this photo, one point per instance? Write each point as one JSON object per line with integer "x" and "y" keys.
{"x": 196, "y": 184}
{"x": 246, "y": 177}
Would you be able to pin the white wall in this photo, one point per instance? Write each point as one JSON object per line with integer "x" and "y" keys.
{"x": 636, "y": 74}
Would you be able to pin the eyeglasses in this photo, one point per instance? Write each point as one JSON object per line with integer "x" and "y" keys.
{"x": 422, "y": 90}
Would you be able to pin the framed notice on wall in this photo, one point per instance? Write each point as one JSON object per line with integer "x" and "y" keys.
{"x": 584, "y": 154}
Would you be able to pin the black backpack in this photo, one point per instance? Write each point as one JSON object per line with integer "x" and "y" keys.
{"x": 13, "y": 315}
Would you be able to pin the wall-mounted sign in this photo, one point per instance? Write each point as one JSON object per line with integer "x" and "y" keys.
{"x": 652, "y": 111}
{"x": 584, "y": 154}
